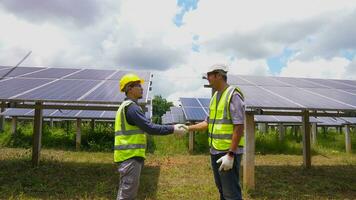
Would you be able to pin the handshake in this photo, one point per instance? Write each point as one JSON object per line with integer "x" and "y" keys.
{"x": 180, "y": 129}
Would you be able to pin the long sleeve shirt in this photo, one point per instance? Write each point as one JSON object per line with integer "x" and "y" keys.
{"x": 136, "y": 117}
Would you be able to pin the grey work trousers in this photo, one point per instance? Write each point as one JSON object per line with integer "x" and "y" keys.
{"x": 130, "y": 171}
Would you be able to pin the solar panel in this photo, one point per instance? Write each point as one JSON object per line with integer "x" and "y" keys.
{"x": 67, "y": 90}
{"x": 349, "y": 120}
{"x": 142, "y": 74}
{"x": 309, "y": 100}
{"x": 205, "y": 102}
{"x": 282, "y": 119}
{"x": 264, "y": 81}
{"x": 349, "y": 82}
{"x": 64, "y": 113}
{"x": 194, "y": 114}
{"x": 190, "y": 102}
{"x": 50, "y": 113}
{"x": 52, "y": 73}
{"x": 258, "y": 97}
{"x": 12, "y": 87}
{"x": 331, "y": 83}
{"x": 18, "y": 71}
{"x": 16, "y": 112}
{"x": 330, "y": 121}
{"x": 337, "y": 95}
{"x": 298, "y": 82}
{"x": 92, "y": 74}
{"x": 92, "y": 114}
{"x": 176, "y": 110}
{"x": 237, "y": 80}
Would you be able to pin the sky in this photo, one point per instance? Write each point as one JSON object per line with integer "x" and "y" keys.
{"x": 178, "y": 40}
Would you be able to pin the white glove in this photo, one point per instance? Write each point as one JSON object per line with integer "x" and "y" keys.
{"x": 226, "y": 162}
{"x": 180, "y": 129}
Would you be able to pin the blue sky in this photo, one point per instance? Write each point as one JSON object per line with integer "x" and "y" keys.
{"x": 178, "y": 40}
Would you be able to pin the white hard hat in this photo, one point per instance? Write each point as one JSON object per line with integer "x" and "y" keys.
{"x": 219, "y": 68}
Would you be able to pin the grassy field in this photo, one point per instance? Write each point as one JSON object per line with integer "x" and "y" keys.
{"x": 169, "y": 172}
{"x": 92, "y": 175}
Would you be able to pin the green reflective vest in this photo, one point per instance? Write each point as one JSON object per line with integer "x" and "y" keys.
{"x": 130, "y": 141}
{"x": 220, "y": 123}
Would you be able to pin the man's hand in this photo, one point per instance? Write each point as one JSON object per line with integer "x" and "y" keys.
{"x": 180, "y": 129}
{"x": 226, "y": 162}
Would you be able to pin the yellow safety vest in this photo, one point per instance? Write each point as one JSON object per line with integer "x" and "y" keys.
{"x": 130, "y": 141}
{"x": 220, "y": 123}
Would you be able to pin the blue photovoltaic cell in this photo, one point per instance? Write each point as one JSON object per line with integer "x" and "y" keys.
{"x": 349, "y": 82}
{"x": 308, "y": 100}
{"x": 206, "y": 110}
{"x": 331, "y": 83}
{"x": 45, "y": 113}
{"x": 12, "y": 87}
{"x": 52, "y": 73}
{"x": 16, "y": 112}
{"x": 257, "y": 97}
{"x": 64, "y": 113}
{"x": 109, "y": 91}
{"x": 92, "y": 114}
{"x": 189, "y": 102}
{"x": 298, "y": 82}
{"x": 194, "y": 114}
{"x": 68, "y": 90}
{"x": 282, "y": 119}
{"x": 176, "y": 110}
{"x": 142, "y": 74}
{"x": 166, "y": 119}
{"x": 205, "y": 102}
{"x": 349, "y": 120}
{"x": 92, "y": 74}
{"x": 237, "y": 80}
{"x": 330, "y": 121}
{"x": 50, "y": 113}
{"x": 337, "y": 95}
{"x": 18, "y": 71}
{"x": 263, "y": 81}
{"x": 109, "y": 114}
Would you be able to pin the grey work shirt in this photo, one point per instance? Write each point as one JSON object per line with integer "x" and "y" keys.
{"x": 136, "y": 117}
{"x": 237, "y": 110}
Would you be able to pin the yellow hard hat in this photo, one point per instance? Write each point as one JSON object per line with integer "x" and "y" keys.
{"x": 128, "y": 78}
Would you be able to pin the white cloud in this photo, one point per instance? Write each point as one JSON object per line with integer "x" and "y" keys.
{"x": 142, "y": 35}
{"x": 317, "y": 68}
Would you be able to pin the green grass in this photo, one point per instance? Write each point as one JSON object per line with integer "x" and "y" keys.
{"x": 170, "y": 172}
{"x": 93, "y": 175}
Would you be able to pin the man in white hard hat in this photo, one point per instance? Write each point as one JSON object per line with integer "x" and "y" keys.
{"x": 225, "y": 125}
{"x": 131, "y": 125}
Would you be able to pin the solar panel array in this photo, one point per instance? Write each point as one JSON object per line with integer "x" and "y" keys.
{"x": 68, "y": 114}
{"x": 196, "y": 110}
{"x": 65, "y": 114}
{"x": 173, "y": 116}
{"x": 65, "y": 85}
{"x": 296, "y": 93}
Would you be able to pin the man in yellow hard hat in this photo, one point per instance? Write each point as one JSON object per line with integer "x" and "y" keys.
{"x": 131, "y": 125}
{"x": 225, "y": 125}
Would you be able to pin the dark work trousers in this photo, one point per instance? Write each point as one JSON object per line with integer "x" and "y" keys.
{"x": 130, "y": 171}
{"x": 227, "y": 182}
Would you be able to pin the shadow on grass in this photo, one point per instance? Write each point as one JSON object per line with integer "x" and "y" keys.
{"x": 293, "y": 182}
{"x": 68, "y": 180}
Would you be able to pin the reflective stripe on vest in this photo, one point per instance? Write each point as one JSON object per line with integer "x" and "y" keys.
{"x": 130, "y": 141}
{"x": 220, "y": 123}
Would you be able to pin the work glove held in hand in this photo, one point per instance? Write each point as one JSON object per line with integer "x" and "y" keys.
{"x": 180, "y": 129}
{"x": 226, "y": 162}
